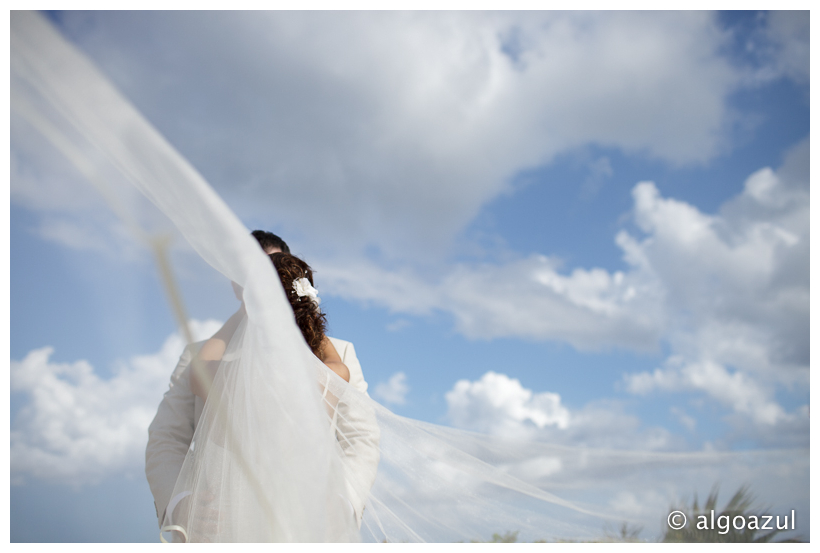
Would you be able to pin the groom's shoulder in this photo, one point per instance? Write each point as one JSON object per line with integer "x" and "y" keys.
{"x": 345, "y": 348}
{"x": 348, "y": 354}
{"x": 185, "y": 359}
{"x": 337, "y": 343}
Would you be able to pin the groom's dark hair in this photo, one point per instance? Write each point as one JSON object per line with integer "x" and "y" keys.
{"x": 270, "y": 240}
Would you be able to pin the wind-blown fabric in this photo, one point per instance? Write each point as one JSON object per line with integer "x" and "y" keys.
{"x": 270, "y": 457}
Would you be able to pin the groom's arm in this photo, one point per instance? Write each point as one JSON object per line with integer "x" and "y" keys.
{"x": 170, "y": 434}
{"x": 210, "y": 355}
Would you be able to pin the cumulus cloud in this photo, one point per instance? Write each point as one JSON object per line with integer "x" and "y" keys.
{"x": 734, "y": 389}
{"x": 498, "y": 404}
{"x": 77, "y": 427}
{"x": 394, "y": 391}
{"x": 405, "y": 124}
{"x": 731, "y": 285}
{"x": 727, "y": 292}
{"x": 736, "y": 284}
{"x": 528, "y": 298}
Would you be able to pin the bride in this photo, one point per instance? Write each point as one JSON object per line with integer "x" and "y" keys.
{"x": 270, "y": 456}
{"x": 355, "y": 432}
{"x": 297, "y": 280}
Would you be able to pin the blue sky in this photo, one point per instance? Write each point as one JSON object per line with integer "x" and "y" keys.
{"x": 597, "y": 220}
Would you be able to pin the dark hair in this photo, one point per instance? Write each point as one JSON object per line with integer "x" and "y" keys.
{"x": 270, "y": 240}
{"x": 312, "y": 322}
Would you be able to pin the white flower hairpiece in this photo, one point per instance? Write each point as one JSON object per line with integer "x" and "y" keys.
{"x": 303, "y": 287}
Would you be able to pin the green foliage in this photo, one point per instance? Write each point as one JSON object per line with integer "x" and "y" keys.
{"x": 626, "y": 533}
{"x": 508, "y": 537}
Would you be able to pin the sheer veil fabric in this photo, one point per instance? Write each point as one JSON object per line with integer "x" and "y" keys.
{"x": 273, "y": 456}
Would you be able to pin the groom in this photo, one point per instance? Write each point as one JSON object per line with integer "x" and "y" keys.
{"x": 172, "y": 430}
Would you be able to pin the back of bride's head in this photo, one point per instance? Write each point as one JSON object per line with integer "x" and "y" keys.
{"x": 302, "y": 296}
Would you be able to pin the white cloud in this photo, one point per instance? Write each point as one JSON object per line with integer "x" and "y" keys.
{"x": 733, "y": 286}
{"x": 531, "y": 298}
{"x": 394, "y": 391}
{"x": 77, "y": 427}
{"x": 783, "y": 44}
{"x": 736, "y": 287}
{"x": 527, "y": 298}
{"x": 405, "y": 124}
{"x": 501, "y": 406}
{"x": 728, "y": 292}
{"x": 498, "y": 404}
{"x": 736, "y": 390}
{"x": 607, "y": 424}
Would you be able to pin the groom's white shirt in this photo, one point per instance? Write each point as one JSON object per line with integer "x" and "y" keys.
{"x": 172, "y": 430}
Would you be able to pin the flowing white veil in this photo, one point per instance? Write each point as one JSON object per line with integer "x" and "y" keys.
{"x": 277, "y": 454}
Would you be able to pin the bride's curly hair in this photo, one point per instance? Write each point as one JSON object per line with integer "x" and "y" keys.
{"x": 312, "y": 322}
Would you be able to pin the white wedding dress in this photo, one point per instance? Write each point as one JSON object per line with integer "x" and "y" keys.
{"x": 273, "y": 456}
